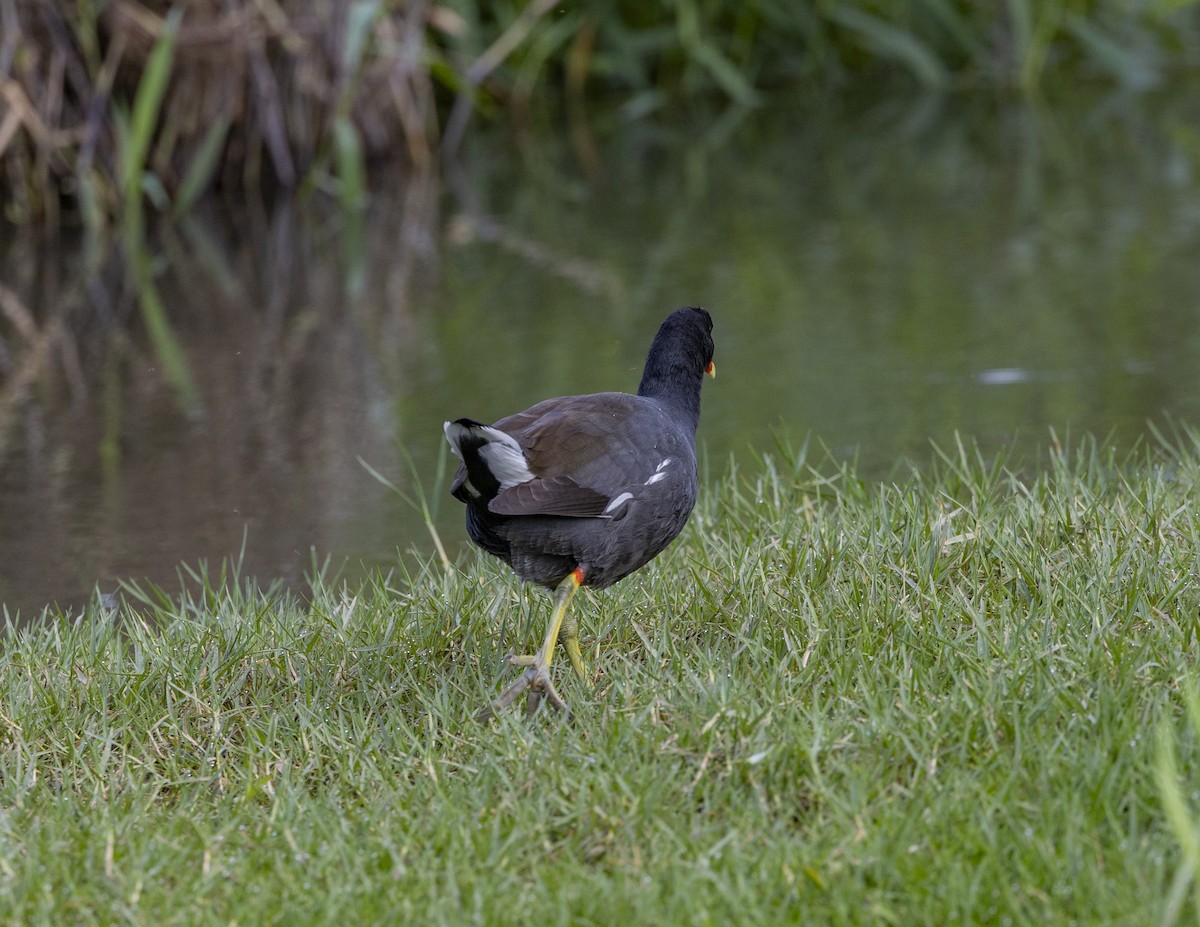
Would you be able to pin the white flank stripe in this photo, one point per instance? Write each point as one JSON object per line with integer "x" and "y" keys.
{"x": 660, "y": 472}
{"x": 618, "y": 502}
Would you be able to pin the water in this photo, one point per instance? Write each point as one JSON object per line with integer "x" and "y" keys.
{"x": 882, "y": 274}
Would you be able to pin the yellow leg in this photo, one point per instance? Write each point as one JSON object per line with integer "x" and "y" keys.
{"x": 570, "y": 635}
{"x": 537, "y": 677}
{"x": 562, "y": 598}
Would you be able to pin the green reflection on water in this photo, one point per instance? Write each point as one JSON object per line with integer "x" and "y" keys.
{"x": 880, "y": 279}
{"x": 881, "y": 275}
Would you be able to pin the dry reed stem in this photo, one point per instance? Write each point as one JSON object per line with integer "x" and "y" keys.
{"x": 274, "y": 72}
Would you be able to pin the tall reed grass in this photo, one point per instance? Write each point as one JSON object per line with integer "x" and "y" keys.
{"x": 108, "y": 101}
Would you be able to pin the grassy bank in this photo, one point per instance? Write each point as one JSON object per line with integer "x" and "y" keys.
{"x": 831, "y": 701}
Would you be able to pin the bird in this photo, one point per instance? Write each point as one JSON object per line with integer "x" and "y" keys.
{"x": 584, "y": 490}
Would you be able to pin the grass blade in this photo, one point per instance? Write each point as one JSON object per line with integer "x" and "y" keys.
{"x": 166, "y": 345}
{"x": 420, "y": 502}
{"x": 359, "y": 21}
{"x": 146, "y": 105}
{"x": 351, "y": 168}
{"x": 893, "y": 42}
{"x": 203, "y": 166}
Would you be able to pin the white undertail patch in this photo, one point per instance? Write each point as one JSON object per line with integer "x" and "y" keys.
{"x": 454, "y": 433}
{"x": 500, "y": 452}
{"x": 504, "y": 457}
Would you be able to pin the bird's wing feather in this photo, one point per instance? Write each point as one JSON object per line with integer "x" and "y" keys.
{"x": 584, "y": 451}
{"x": 554, "y": 496}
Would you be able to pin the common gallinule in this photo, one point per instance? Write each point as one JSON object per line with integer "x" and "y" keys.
{"x": 583, "y": 490}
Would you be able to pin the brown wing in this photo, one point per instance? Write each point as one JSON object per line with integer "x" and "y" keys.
{"x": 558, "y": 495}
{"x": 583, "y": 451}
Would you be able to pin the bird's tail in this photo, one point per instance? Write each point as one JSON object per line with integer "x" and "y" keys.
{"x": 492, "y": 460}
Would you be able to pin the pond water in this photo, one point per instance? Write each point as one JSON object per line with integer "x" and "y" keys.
{"x": 882, "y": 274}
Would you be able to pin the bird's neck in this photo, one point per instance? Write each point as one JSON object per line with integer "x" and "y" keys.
{"x": 676, "y": 387}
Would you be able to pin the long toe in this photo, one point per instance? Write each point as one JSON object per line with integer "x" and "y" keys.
{"x": 508, "y": 696}
{"x": 535, "y": 679}
{"x": 544, "y": 687}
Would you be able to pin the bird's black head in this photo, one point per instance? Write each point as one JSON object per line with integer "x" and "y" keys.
{"x": 680, "y": 355}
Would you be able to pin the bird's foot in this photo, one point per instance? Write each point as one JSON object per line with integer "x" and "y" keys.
{"x": 536, "y": 679}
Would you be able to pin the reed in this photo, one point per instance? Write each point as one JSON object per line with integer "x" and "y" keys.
{"x": 107, "y": 102}
{"x": 307, "y": 92}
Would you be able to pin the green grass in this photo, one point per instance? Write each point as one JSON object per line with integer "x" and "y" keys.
{"x": 934, "y": 700}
